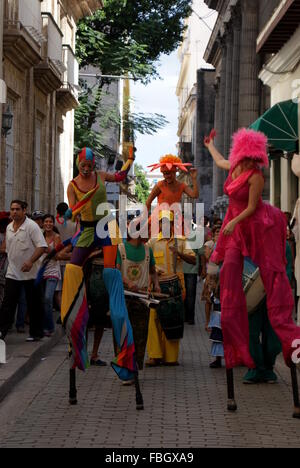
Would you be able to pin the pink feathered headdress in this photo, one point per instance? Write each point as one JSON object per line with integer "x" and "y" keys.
{"x": 249, "y": 144}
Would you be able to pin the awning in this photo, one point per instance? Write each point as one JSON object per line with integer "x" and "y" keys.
{"x": 280, "y": 125}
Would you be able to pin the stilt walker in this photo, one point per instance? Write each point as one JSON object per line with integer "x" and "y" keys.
{"x": 86, "y": 193}
{"x": 257, "y": 230}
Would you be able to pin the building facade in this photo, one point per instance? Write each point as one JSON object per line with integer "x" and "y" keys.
{"x": 195, "y": 84}
{"x": 278, "y": 45}
{"x": 41, "y": 74}
{"x": 240, "y": 95}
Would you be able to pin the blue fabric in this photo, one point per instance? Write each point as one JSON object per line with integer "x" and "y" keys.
{"x": 121, "y": 325}
{"x": 50, "y": 287}
{"x": 217, "y": 350}
{"x": 215, "y": 320}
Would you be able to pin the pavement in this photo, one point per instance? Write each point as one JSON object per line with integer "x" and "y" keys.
{"x": 185, "y": 407}
{"x": 22, "y": 357}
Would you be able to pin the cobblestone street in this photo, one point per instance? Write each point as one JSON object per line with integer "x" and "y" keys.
{"x": 185, "y": 407}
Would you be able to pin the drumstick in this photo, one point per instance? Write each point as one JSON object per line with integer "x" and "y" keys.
{"x": 161, "y": 295}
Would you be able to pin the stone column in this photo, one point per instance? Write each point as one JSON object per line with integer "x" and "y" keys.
{"x": 236, "y": 50}
{"x": 220, "y": 141}
{"x": 1, "y": 54}
{"x": 249, "y": 98}
{"x": 216, "y": 172}
{"x": 228, "y": 89}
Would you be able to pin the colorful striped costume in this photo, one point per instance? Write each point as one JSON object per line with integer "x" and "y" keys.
{"x": 74, "y": 309}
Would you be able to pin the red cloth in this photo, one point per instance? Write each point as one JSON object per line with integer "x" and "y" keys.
{"x": 262, "y": 237}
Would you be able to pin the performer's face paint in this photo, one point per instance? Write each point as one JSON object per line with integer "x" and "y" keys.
{"x": 169, "y": 176}
{"x": 86, "y": 168}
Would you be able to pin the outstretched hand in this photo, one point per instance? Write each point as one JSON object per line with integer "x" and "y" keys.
{"x": 209, "y": 139}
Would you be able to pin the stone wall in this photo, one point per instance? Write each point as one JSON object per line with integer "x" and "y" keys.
{"x": 205, "y": 122}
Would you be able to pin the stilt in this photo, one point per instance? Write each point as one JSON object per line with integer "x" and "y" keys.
{"x": 231, "y": 404}
{"x": 296, "y": 413}
{"x": 73, "y": 391}
{"x": 138, "y": 394}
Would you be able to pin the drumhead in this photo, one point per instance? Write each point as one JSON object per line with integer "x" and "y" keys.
{"x": 167, "y": 278}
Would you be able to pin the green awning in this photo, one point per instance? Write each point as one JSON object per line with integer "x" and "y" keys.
{"x": 280, "y": 125}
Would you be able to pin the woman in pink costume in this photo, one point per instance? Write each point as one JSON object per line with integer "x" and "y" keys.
{"x": 257, "y": 230}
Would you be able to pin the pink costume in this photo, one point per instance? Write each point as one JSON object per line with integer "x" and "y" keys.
{"x": 262, "y": 237}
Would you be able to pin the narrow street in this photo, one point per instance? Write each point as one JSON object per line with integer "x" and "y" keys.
{"x": 185, "y": 407}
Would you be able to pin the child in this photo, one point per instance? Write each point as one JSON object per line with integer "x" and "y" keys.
{"x": 208, "y": 246}
{"x": 217, "y": 349}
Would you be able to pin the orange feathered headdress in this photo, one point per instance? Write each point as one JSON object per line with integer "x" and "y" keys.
{"x": 170, "y": 162}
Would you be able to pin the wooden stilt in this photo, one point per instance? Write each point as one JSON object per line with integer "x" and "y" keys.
{"x": 138, "y": 394}
{"x": 231, "y": 404}
{"x": 296, "y": 413}
{"x": 73, "y": 391}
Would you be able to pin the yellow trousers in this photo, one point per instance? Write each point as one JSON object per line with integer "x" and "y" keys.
{"x": 158, "y": 346}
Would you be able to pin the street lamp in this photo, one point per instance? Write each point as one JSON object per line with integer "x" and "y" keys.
{"x": 7, "y": 121}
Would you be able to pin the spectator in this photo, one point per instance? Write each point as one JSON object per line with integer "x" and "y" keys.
{"x": 25, "y": 244}
{"x": 38, "y": 216}
{"x": 51, "y": 275}
{"x": 190, "y": 279}
{"x": 206, "y": 293}
{"x": 4, "y": 222}
{"x": 66, "y": 230}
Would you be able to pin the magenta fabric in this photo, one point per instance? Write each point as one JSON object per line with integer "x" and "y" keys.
{"x": 262, "y": 237}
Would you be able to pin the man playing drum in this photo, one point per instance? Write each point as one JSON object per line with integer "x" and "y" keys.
{"x": 169, "y": 253}
{"x": 137, "y": 265}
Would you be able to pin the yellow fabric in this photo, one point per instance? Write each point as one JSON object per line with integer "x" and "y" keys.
{"x": 166, "y": 214}
{"x": 163, "y": 256}
{"x": 158, "y": 346}
{"x": 114, "y": 233}
{"x": 87, "y": 211}
{"x": 73, "y": 278}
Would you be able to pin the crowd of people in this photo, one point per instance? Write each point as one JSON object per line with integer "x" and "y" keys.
{"x": 166, "y": 266}
{"x": 25, "y": 241}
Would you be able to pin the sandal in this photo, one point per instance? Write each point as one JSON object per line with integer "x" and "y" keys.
{"x": 152, "y": 362}
{"x": 98, "y": 363}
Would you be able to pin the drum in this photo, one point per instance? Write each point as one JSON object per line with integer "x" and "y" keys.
{"x": 97, "y": 296}
{"x": 171, "y": 311}
{"x": 253, "y": 285}
{"x": 138, "y": 314}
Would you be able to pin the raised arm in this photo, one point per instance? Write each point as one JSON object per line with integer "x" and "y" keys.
{"x": 220, "y": 161}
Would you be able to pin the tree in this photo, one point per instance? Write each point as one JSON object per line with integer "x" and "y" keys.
{"x": 126, "y": 37}
{"x": 142, "y": 189}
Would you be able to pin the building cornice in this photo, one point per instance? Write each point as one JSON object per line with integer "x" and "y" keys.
{"x": 282, "y": 63}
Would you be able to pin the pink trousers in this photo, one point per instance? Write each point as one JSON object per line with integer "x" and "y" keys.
{"x": 234, "y": 314}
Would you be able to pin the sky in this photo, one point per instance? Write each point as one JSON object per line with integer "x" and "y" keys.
{"x": 160, "y": 97}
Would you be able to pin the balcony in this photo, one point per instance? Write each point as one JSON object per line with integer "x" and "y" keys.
{"x": 22, "y": 34}
{"x": 48, "y": 74}
{"x": 81, "y": 8}
{"x": 67, "y": 95}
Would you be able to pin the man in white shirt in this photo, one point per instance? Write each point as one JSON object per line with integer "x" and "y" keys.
{"x": 25, "y": 244}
